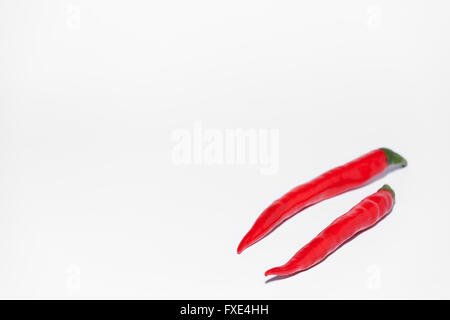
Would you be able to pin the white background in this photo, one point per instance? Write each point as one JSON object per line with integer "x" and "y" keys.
{"x": 92, "y": 205}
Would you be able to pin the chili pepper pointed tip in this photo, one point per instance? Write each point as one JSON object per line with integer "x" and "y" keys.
{"x": 394, "y": 158}
{"x": 270, "y": 272}
{"x": 247, "y": 241}
{"x": 277, "y": 271}
{"x": 241, "y": 247}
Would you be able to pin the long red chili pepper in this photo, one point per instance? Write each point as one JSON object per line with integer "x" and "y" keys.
{"x": 362, "y": 216}
{"x": 336, "y": 181}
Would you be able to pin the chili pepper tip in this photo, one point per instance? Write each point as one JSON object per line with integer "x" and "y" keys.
{"x": 394, "y": 158}
{"x": 273, "y": 271}
{"x": 246, "y": 242}
{"x": 242, "y": 246}
{"x": 386, "y": 187}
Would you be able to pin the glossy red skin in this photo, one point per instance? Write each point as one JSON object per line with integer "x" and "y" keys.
{"x": 362, "y": 216}
{"x": 332, "y": 183}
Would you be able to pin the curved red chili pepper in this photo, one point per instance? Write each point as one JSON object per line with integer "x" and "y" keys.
{"x": 362, "y": 216}
{"x": 336, "y": 181}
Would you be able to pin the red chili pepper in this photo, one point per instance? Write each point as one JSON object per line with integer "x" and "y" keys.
{"x": 336, "y": 181}
{"x": 362, "y": 216}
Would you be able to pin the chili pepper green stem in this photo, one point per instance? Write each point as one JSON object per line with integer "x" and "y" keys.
{"x": 394, "y": 158}
{"x": 386, "y": 187}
